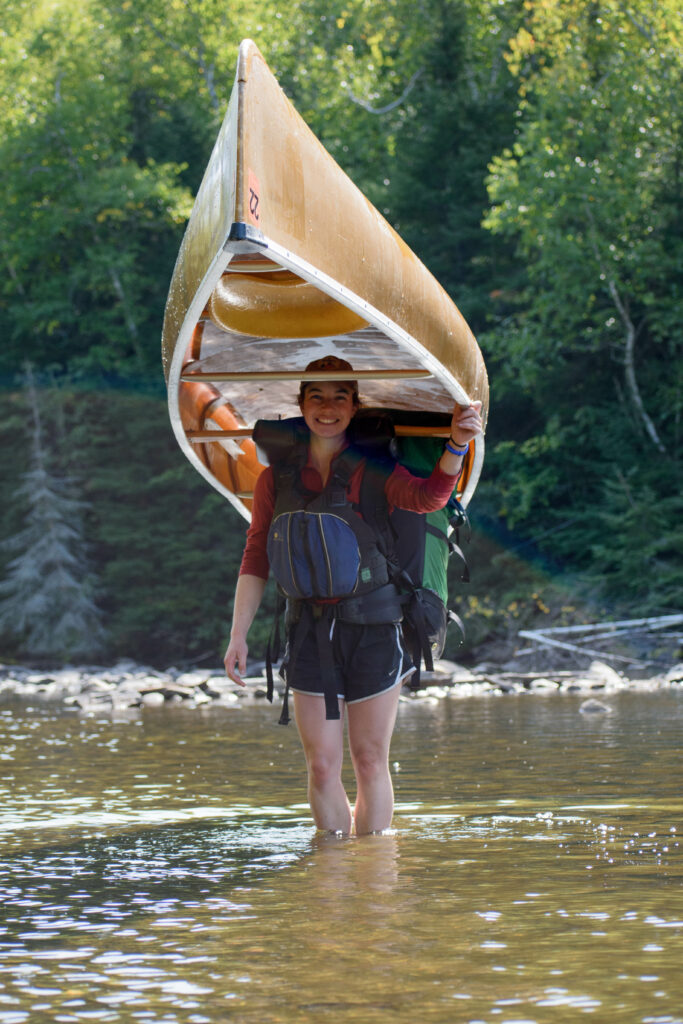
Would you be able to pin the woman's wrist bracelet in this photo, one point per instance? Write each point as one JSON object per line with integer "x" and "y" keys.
{"x": 449, "y": 447}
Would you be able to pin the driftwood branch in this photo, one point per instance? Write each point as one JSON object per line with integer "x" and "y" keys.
{"x": 600, "y": 631}
{"x": 389, "y": 106}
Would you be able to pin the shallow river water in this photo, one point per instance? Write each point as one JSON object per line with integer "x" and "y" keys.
{"x": 164, "y": 868}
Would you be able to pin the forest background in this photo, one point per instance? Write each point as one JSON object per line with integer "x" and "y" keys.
{"x": 529, "y": 152}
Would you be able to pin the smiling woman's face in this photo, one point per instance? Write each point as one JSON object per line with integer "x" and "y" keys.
{"x": 328, "y": 407}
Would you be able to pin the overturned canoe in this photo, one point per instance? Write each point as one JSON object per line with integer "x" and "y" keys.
{"x": 284, "y": 261}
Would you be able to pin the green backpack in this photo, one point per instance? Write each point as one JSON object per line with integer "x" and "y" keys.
{"x": 423, "y": 543}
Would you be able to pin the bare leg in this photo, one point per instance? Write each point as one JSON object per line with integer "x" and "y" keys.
{"x": 323, "y": 743}
{"x": 371, "y": 723}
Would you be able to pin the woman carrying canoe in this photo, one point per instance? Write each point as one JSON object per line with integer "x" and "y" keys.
{"x": 344, "y": 658}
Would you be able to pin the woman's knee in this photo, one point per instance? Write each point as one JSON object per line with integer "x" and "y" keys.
{"x": 324, "y": 767}
{"x": 370, "y": 760}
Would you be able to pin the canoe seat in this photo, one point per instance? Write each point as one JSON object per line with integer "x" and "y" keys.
{"x": 278, "y": 305}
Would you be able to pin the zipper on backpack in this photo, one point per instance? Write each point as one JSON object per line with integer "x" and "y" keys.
{"x": 328, "y": 564}
{"x": 305, "y": 536}
{"x": 292, "y": 572}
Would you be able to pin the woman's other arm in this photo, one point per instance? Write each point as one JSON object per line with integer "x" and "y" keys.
{"x": 252, "y": 577}
{"x": 465, "y": 425}
{"x": 248, "y": 595}
{"x": 418, "y": 494}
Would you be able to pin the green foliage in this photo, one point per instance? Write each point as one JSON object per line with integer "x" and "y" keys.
{"x": 89, "y": 232}
{"x": 587, "y": 351}
{"x": 647, "y": 563}
{"x": 459, "y": 113}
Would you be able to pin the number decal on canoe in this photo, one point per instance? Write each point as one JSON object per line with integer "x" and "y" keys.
{"x": 254, "y": 194}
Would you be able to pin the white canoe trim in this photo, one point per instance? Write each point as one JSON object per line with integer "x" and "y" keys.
{"x": 194, "y": 312}
{"x": 358, "y": 305}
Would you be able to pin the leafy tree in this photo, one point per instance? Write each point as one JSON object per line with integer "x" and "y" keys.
{"x": 89, "y": 233}
{"x": 459, "y": 115}
{"x": 588, "y": 350}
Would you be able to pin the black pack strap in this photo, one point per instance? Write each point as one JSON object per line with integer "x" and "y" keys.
{"x": 457, "y": 518}
{"x": 418, "y": 618}
{"x": 320, "y": 617}
{"x": 269, "y": 673}
{"x": 273, "y": 645}
{"x": 452, "y": 617}
{"x": 416, "y": 652}
{"x": 336, "y": 488}
{"x": 343, "y": 468}
{"x": 436, "y": 532}
{"x": 455, "y": 549}
{"x": 382, "y": 605}
{"x": 323, "y": 625}
{"x": 287, "y": 478}
{"x": 297, "y": 612}
{"x": 284, "y": 714}
{"x": 374, "y": 508}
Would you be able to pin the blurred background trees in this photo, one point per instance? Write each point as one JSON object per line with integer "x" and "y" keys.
{"x": 530, "y": 153}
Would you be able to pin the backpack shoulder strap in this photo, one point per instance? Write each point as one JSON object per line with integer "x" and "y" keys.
{"x": 283, "y": 445}
{"x": 374, "y": 508}
{"x": 372, "y": 435}
{"x": 282, "y": 441}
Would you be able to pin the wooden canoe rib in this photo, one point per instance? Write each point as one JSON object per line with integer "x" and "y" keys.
{"x": 284, "y": 261}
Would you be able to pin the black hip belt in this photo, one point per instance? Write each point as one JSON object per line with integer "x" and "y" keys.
{"x": 383, "y": 605}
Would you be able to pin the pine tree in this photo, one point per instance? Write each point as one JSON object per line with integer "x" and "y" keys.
{"x": 46, "y": 597}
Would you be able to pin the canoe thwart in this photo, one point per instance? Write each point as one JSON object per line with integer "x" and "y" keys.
{"x": 202, "y": 436}
{"x": 218, "y": 376}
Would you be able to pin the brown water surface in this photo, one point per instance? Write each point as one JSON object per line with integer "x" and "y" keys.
{"x": 164, "y": 868}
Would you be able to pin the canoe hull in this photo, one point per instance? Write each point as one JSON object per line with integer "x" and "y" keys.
{"x": 283, "y": 261}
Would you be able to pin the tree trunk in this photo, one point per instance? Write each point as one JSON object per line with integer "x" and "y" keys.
{"x": 630, "y": 369}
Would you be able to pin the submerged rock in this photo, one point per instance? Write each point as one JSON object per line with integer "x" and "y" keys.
{"x": 594, "y": 707}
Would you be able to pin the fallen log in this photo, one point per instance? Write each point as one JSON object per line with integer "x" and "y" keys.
{"x": 591, "y": 632}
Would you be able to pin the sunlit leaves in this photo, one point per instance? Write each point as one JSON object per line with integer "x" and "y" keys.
{"x": 587, "y": 190}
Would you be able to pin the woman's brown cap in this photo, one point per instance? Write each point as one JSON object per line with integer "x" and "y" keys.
{"x": 328, "y": 363}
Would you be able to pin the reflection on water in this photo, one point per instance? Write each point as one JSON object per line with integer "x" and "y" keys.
{"x": 164, "y": 869}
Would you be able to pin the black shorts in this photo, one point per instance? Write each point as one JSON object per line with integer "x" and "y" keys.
{"x": 368, "y": 660}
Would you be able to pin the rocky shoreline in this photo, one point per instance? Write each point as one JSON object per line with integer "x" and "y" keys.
{"x": 128, "y": 687}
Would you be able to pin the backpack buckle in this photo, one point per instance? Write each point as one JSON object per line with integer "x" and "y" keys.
{"x": 337, "y": 497}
